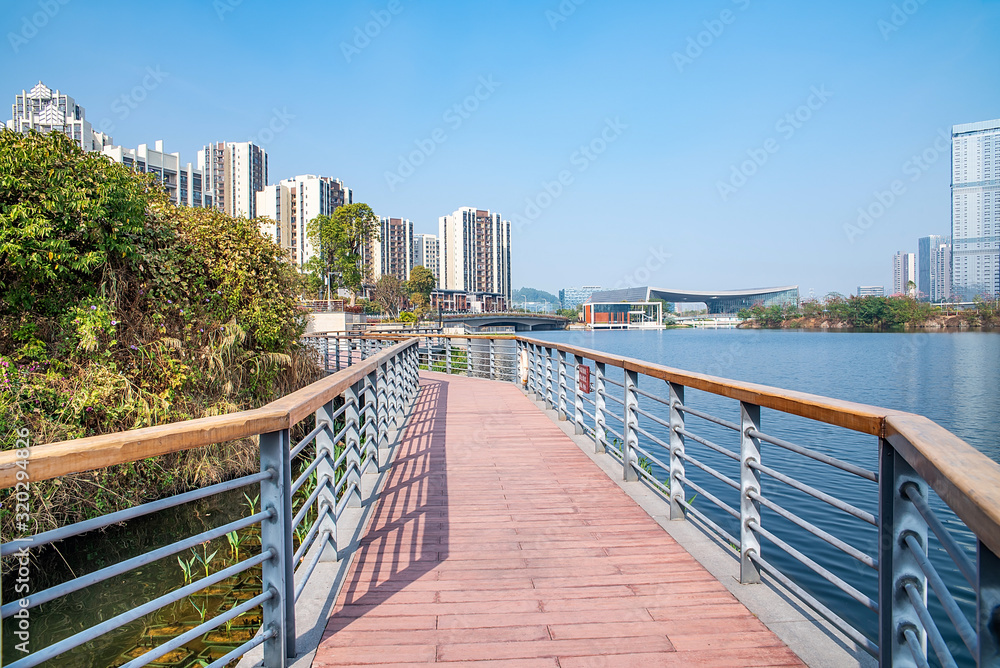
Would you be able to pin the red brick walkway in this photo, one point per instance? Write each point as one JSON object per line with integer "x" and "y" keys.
{"x": 497, "y": 541}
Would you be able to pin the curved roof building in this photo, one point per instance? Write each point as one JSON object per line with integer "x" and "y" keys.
{"x": 718, "y": 302}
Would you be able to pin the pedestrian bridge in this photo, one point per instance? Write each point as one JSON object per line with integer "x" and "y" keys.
{"x": 526, "y": 503}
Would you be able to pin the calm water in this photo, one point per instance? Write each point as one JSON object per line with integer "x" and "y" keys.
{"x": 951, "y": 378}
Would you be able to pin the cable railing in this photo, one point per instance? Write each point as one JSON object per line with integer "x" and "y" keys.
{"x": 303, "y": 493}
{"x": 737, "y": 480}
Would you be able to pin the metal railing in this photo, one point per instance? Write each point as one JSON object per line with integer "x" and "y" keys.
{"x": 749, "y": 477}
{"x": 305, "y": 489}
{"x": 473, "y": 356}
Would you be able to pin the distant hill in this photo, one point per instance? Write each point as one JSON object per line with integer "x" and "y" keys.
{"x": 534, "y": 295}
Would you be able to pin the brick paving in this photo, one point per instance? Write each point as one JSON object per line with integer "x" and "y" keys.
{"x": 497, "y": 542}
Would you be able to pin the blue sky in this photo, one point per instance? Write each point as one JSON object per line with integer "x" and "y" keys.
{"x": 616, "y": 136}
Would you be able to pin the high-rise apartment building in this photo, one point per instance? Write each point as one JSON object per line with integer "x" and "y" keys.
{"x": 975, "y": 209}
{"x": 474, "y": 252}
{"x": 292, "y": 204}
{"x": 941, "y": 260}
{"x": 234, "y": 172}
{"x": 183, "y": 182}
{"x": 904, "y": 272}
{"x": 573, "y": 297}
{"x": 426, "y": 253}
{"x": 46, "y": 111}
{"x": 392, "y": 251}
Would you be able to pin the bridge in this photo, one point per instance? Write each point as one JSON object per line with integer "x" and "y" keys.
{"x": 521, "y": 502}
{"x": 518, "y": 321}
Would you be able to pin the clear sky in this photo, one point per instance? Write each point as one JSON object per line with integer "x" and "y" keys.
{"x": 615, "y": 135}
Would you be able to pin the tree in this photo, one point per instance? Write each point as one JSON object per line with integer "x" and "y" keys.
{"x": 420, "y": 286}
{"x": 389, "y": 294}
{"x": 341, "y": 239}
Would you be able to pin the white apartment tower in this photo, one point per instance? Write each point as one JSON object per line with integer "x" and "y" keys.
{"x": 904, "y": 270}
{"x": 183, "y": 182}
{"x": 292, "y": 204}
{"x": 46, "y": 111}
{"x": 941, "y": 259}
{"x": 426, "y": 254}
{"x": 474, "y": 252}
{"x": 975, "y": 209}
{"x": 234, "y": 172}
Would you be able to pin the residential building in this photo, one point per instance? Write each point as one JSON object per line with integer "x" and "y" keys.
{"x": 904, "y": 272}
{"x": 292, "y": 204}
{"x": 46, "y": 111}
{"x": 393, "y": 249}
{"x": 941, "y": 260}
{"x": 975, "y": 209}
{"x": 234, "y": 172}
{"x": 573, "y": 297}
{"x": 474, "y": 252}
{"x": 460, "y": 301}
{"x": 426, "y": 253}
{"x": 182, "y": 182}
{"x": 871, "y": 291}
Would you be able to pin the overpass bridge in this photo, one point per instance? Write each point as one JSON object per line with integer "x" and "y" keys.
{"x": 520, "y": 322}
{"x": 524, "y": 502}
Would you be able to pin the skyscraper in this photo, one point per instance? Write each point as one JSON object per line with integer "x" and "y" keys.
{"x": 925, "y": 268}
{"x": 46, "y": 111}
{"x": 474, "y": 252}
{"x": 292, "y": 204}
{"x": 904, "y": 272}
{"x": 234, "y": 172}
{"x": 975, "y": 209}
{"x": 941, "y": 259}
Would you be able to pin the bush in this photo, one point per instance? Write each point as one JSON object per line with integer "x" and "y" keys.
{"x": 121, "y": 311}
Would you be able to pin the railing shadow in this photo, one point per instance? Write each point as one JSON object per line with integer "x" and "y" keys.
{"x": 408, "y": 534}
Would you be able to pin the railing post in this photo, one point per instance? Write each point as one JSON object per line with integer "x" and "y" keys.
{"x": 371, "y": 420}
{"x": 350, "y": 348}
{"x": 352, "y": 441}
{"x": 326, "y": 503}
{"x": 381, "y": 402}
{"x": 276, "y": 535}
{"x": 336, "y": 346}
{"x": 600, "y": 419}
{"x": 536, "y": 377}
{"x": 897, "y": 566}
{"x": 325, "y": 347}
{"x": 749, "y": 481}
{"x": 398, "y": 380}
{"x": 562, "y": 385}
{"x": 548, "y": 378}
{"x": 988, "y": 605}
{"x": 493, "y": 360}
{"x": 577, "y": 398}
{"x": 677, "y": 510}
{"x": 630, "y": 460}
{"x": 447, "y": 355}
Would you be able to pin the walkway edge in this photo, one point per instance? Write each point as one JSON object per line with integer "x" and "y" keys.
{"x": 811, "y": 637}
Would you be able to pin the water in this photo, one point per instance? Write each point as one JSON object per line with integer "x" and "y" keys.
{"x": 949, "y": 377}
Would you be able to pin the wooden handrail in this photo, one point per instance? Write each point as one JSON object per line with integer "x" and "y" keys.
{"x": 54, "y": 460}
{"x": 966, "y": 479}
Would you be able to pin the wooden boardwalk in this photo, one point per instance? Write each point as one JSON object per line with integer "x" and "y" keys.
{"x": 497, "y": 541}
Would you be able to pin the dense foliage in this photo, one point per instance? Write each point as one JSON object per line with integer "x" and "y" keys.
{"x": 859, "y": 312}
{"x": 119, "y": 311}
{"x": 340, "y": 241}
